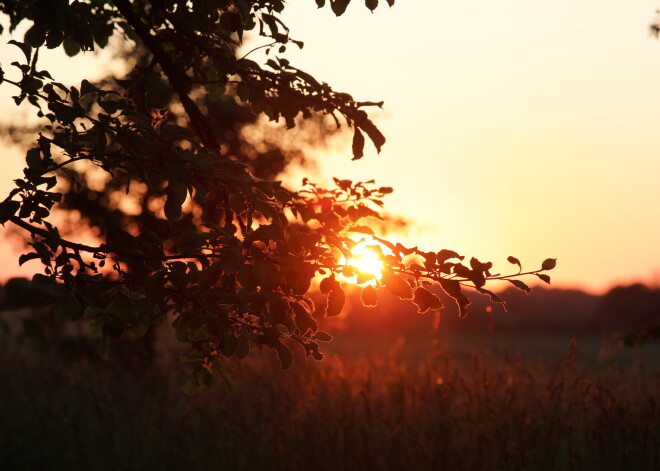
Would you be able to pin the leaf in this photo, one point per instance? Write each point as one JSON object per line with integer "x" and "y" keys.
{"x": 298, "y": 274}
{"x": 7, "y": 210}
{"x": 339, "y": 6}
{"x": 210, "y": 276}
{"x": 374, "y": 134}
{"x": 71, "y": 47}
{"x": 36, "y": 35}
{"x": 390, "y": 3}
{"x": 549, "y": 264}
{"x": 27, "y": 50}
{"x": 514, "y": 261}
{"x": 303, "y": 320}
{"x": 176, "y": 195}
{"x": 397, "y": 285}
{"x": 520, "y": 285}
{"x": 285, "y": 355}
{"x": 453, "y": 289}
{"x": 320, "y": 3}
{"x": 493, "y": 297}
{"x": 358, "y": 144}
{"x": 369, "y": 296}
{"x": 478, "y": 266}
{"x": 322, "y": 336}
{"x": 544, "y": 277}
{"x": 27, "y": 257}
{"x": 336, "y": 300}
{"x": 267, "y": 274}
{"x": 371, "y": 4}
{"x": 445, "y": 255}
{"x": 426, "y": 300}
{"x": 33, "y": 159}
{"x": 328, "y": 284}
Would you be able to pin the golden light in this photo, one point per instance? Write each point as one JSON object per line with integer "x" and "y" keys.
{"x": 366, "y": 260}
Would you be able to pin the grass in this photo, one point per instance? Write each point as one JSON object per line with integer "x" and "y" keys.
{"x": 398, "y": 407}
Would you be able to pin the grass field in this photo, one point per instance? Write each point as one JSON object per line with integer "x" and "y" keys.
{"x": 374, "y": 404}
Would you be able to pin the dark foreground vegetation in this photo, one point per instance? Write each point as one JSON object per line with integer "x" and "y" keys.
{"x": 542, "y": 403}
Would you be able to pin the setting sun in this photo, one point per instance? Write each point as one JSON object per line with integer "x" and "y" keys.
{"x": 366, "y": 260}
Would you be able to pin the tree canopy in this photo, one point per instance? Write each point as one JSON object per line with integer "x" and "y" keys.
{"x": 216, "y": 244}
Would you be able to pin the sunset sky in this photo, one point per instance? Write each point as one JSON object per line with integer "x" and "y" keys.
{"x": 514, "y": 127}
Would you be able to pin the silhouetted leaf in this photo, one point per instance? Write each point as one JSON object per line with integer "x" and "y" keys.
{"x": 71, "y": 47}
{"x": 520, "y": 285}
{"x": 36, "y": 35}
{"x": 176, "y": 195}
{"x": 336, "y": 300}
{"x": 358, "y": 144}
{"x": 453, "y": 289}
{"x": 369, "y": 296}
{"x": 27, "y": 50}
{"x": 267, "y": 274}
{"x": 544, "y": 277}
{"x": 374, "y": 134}
{"x": 514, "y": 261}
{"x": 322, "y": 336}
{"x": 328, "y": 284}
{"x": 339, "y": 6}
{"x": 493, "y": 297}
{"x": 426, "y": 300}
{"x": 285, "y": 355}
{"x": 549, "y": 264}
{"x": 396, "y": 284}
{"x": 27, "y": 257}
{"x": 445, "y": 255}
{"x": 7, "y": 210}
{"x": 371, "y": 4}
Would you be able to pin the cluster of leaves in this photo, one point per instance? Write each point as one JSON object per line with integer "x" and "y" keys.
{"x": 233, "y": 257}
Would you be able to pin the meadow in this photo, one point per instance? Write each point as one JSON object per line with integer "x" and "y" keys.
{"x": 459, "y": 403}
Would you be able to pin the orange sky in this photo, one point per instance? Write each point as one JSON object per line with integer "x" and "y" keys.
{"x": 514, "y": 127}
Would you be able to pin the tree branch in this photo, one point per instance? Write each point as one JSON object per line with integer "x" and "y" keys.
{"x": 44, "y": 233}
{"x": 178, "y": 79}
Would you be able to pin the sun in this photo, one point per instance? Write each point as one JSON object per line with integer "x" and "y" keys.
{"x": 366, "y": 260}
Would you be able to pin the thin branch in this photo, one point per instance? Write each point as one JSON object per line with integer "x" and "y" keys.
{"x": 178, "y": 79}
{"x": 44, "y": 233}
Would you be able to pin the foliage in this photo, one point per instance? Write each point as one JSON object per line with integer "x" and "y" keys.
{"x": 232, "y": 257}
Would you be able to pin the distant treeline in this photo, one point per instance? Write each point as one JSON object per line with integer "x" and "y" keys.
{"x": 622, "y": 309}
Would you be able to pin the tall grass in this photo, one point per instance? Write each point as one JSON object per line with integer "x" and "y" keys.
{"x": 388, "y": 411}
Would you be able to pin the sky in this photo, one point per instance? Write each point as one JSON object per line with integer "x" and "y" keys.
{"x": 514, "y": 127}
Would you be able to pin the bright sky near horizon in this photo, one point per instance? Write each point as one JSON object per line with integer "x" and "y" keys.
{"x": 514, "y": 127}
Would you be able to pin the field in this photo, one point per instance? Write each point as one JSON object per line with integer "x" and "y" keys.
{"x": 462, "y": 403}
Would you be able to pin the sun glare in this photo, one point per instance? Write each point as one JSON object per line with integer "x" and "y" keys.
{"x": 366, "y": 260}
